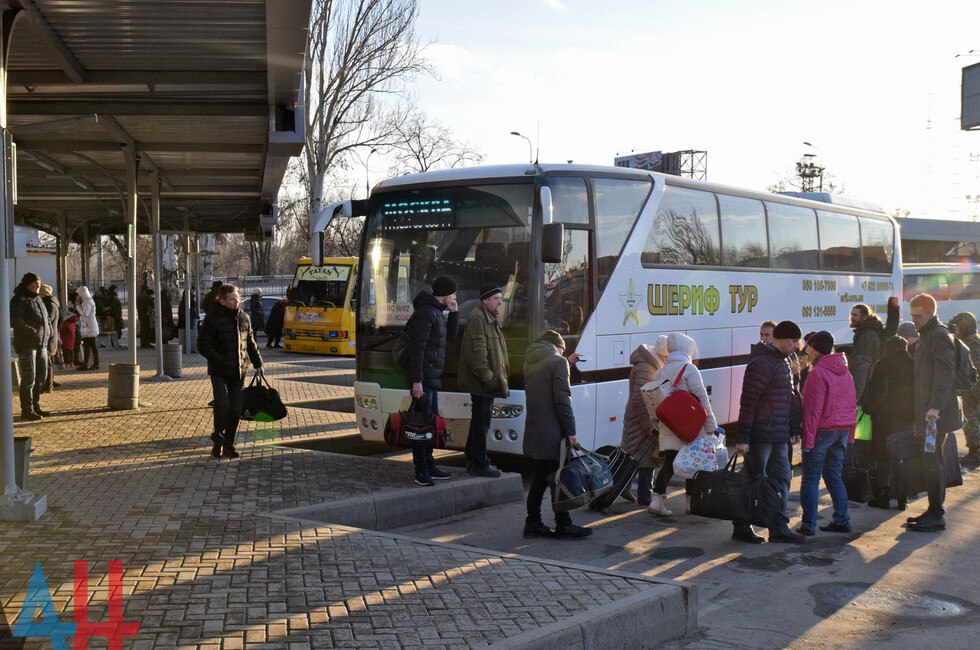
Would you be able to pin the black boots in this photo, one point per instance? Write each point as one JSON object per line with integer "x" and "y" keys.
{"x": 217, "y": 439}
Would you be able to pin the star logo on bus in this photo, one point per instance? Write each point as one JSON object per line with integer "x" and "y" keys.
{"x": 630, "y": 300}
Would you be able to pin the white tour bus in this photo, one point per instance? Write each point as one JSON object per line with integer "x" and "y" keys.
{"x": 956, "y": 287}
{"x": 611, "y": 258}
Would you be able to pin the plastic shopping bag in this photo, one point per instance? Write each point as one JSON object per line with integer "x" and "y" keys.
{"x": 697, "y": 456}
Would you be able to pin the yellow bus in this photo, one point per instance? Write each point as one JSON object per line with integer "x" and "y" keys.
{"x": 319, "y": 315}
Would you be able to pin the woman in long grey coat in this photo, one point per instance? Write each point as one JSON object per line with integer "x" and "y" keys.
{"x": 549, "y": 420}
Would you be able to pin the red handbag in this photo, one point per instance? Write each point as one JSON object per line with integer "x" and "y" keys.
{"x": 416, "y": 427}
{"x": 682, "y": 413}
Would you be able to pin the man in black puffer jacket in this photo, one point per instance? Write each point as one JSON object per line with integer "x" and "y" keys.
{"x": 32, "y": 334}
{"x": 769, "y": 420}
{"x": 428, "y": 331}
{"x": 227, "y": 341}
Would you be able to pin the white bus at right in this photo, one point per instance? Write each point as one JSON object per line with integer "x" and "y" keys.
{"x": 956, "y": 287}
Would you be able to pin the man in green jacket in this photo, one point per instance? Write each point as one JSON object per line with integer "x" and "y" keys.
{"x": 483, "y": 373}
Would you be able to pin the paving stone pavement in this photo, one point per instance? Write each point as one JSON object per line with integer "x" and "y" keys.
{"x": 207, "y": 563}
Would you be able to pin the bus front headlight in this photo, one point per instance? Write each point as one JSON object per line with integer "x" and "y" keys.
{"x": 367, "y": 402}
{"x": 506, "y": 410}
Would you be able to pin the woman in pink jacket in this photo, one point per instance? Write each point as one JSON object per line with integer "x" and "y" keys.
{"x": 829, "y": 417}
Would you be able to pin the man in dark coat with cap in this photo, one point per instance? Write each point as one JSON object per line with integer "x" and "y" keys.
{"x": 483, "y": 372}
{"x": 428, "y": 331}
{"x": 32, "y": 334}
{"x": 769, "y": 420}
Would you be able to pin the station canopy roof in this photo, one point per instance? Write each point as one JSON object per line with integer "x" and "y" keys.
{"x": 205, "y": 92}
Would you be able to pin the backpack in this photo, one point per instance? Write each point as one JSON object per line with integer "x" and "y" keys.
{"x": 966, "y": 372}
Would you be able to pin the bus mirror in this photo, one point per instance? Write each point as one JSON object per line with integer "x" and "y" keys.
{"x": 318, "y": 252}
{"x": 547, "y": 211}
{"x": 552, "y": 243}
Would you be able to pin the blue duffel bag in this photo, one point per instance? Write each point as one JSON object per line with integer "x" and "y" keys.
{"x": 580, "y": 478}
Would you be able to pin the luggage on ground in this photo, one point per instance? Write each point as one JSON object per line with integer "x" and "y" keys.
{"x": 579, "y": 479}
{"x": 730, "y": 495}
{"x": 623, "y": 467}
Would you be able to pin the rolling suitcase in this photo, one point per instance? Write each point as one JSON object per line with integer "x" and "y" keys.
{"x": 623, "y": 467}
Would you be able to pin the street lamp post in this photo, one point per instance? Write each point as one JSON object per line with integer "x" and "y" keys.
{"x": 530, "y": 149}
{"x": 367, "y": 174}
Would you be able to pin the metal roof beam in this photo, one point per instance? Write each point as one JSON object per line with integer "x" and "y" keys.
{"x": 46, "y": 33}
{"x": 204, "y": 108}
{"x": 116, "y": 129}
{"x": 54, "y": 166}
{"x": 160, "y": 79}
{"x": 61, "y": 146}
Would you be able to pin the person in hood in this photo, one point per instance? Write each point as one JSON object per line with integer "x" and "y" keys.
{"x": 964, "y": 327}
{"x": 274, "y": 324}
{"x": 829, "y": 420}
{"x": 889, "y": 400}
{"x": 549, "y": 420}
{"x": 54, "y": 318}
{"x": 681, "y": 348}
{"x": 866, "y": 349}
{"x": 88, "y": 328}
{"x": 768, "y": 422}
{"x": 428, "y": 332}
{"x": 227, "y": 341}
{"x": 638, "y": 428}
{"x": 256, "y": 310}
{"x": 32, "y": 334}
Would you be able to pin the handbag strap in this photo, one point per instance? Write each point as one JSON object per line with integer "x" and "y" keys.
{"x": 255, "y": 380}
{"x": 730, "y": 466}
{"x": 680, "y": 374}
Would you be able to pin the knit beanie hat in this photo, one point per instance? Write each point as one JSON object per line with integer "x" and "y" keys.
{"x": 488, "y": 290}
{"x": 443, "y": 286}
{"x": 787, "y": 329}
{"x": 822, "y": 342}
{"x": 906, "y": 328}
{"x": 29, "y": 278}
{"x": 553, "y": 337}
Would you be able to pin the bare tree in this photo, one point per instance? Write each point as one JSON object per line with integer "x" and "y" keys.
{"x": 421, "y": 144}
{"x": 806, "y": 176}
{"x": 359, "y": 52}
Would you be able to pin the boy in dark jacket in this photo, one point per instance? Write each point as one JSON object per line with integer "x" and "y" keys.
{"x": 32, "y": 333}
{"x": 226, "y": 340}
{"x": 549, "y": 420}
{"x": 769, "y": 421}
{"x": 428, "y": 331}
{"x": 934, "y": 364}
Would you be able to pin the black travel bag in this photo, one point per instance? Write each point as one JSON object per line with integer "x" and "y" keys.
{"x": 261, "y": 402}
{"x": 623, "y": 467}
{"x": 730, "y": 495}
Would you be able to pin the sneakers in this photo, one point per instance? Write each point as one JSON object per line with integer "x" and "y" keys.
{"x": 658, "y": 506}
{"x": 744, "y": 533}
{"x": 29, "y": 416}
{"x": 806, "y": 531}
{"x": 230, "y": 452}
{"x": 571, "y": 531}
{"x": 537, "y": 529}
{"x": 836, "y": 528}
{"x": 488, "y": 471}
{"x": 423, "y": 478}
{"x": 437, "y": 474}
{"x": 217, "y": 440}
{"x": 927, "y": 523}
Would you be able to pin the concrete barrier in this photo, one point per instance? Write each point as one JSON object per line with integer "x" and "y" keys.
{"x": 124, "y": 386}
{"x": 173, "y": 365}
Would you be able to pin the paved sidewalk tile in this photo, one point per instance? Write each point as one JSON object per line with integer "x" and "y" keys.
{"x": 205, "y": 566}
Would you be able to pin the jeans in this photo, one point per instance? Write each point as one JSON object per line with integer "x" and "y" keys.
{"x": 934, "y": 473}
{"x": 476, "y": 441}
{"x": 33, "y": 371}
{"x": 826, "y": 457}
{"x": 422, "y": 457}
{"x": 770, "y": 459}
{"x": 543, "y": 471}
{"x": 227, "y": 408}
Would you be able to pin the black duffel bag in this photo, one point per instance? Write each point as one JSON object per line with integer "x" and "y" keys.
{"x": 905, "y": 457}
{"x": 731, "y": 495}
{"x": 261, "y": 402}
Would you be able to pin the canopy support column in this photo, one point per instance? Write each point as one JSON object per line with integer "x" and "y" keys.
{"x": 157, "y": 254}
{"x": 132, "y": 165}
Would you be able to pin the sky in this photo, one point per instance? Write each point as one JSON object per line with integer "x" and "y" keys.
{"x": 874, "y": 86}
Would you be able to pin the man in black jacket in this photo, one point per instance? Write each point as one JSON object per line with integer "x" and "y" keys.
{"x": 867, "y": 346}
{"x": 32, "y": 334}
{"x": 769, "y": 420}
{"x": 428, "y": 331}
{"x": 934, "y": 369}
{"x": 226, "y": 340}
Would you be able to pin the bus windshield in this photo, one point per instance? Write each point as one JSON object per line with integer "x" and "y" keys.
{"x": 321, "y": 286}
{"x": 476, "y": 234}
